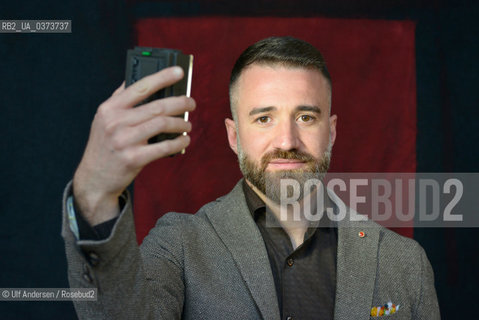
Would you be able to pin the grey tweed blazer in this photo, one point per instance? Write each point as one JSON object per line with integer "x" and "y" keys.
{"x": 214, "y": 265}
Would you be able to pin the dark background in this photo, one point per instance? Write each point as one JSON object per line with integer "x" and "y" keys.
{"x": 51, "y": 85}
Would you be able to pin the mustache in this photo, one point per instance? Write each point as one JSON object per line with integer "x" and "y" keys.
{"x": 287, "y": 155}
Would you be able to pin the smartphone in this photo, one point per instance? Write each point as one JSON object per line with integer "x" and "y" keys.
{"x": 143, "y": 61}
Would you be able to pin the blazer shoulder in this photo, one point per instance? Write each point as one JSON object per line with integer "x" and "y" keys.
{"x": 393, "y": 244}
{"x": 179, "y": 223}
{"x": 398, "y": 243}
{"x": 401, "y": 255}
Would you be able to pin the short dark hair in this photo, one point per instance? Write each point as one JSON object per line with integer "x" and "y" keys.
{"x": 287, "y": 51}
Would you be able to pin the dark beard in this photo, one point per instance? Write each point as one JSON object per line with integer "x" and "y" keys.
{"x": 269, "y": 182}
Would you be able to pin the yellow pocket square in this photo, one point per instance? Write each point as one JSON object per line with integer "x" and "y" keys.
{"x": 387, "y": 309}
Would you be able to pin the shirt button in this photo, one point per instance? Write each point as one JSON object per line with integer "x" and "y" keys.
{"x": 290, "y": 263}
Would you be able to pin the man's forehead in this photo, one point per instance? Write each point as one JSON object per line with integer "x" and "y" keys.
{"x": 262, "y": 83}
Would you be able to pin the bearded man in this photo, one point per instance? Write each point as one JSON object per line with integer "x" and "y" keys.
{"x": 227, "y": 261}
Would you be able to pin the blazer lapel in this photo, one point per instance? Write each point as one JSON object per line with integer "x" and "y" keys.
{"x": 356, "y": 269}
{"x": 233, "y": 223}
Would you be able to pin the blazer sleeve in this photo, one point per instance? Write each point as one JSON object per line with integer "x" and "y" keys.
{"x": 427, "y": 306}
{"x": 132, "y": 283}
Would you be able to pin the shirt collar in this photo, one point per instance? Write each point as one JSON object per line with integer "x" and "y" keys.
{"x": 254, "y": 202}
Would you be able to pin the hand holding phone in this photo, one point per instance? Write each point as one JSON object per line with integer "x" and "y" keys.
{"x": 117, "y": 147}
{"x": 143, "y": 61}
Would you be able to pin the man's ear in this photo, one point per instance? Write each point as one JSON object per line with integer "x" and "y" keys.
{"x": 231, "y": 131}
{"x": 332, "y": 127}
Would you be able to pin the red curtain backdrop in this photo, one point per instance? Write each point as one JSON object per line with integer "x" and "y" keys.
{"x": 372, "y": 64}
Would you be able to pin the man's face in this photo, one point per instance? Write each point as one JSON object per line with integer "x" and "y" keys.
{"x": 283, "y": 127}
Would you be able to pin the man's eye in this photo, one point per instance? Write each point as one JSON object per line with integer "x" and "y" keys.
{"x": 306, "y": 118}
{"x": 263, "y": 119}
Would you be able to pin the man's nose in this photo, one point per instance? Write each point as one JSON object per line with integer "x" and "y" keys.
{"x": 286, "y": 136}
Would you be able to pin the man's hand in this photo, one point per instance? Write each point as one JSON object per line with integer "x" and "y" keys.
{"x": 117, "y": 148}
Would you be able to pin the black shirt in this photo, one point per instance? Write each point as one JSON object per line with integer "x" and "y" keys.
{"x": 305, "y": 278}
